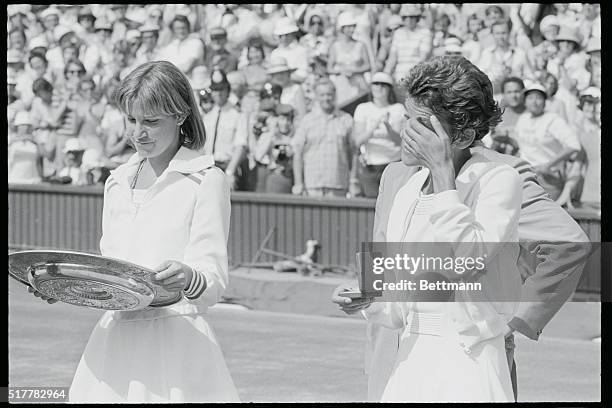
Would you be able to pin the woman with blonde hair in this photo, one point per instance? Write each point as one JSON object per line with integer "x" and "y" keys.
{"x": 166, "y": 209}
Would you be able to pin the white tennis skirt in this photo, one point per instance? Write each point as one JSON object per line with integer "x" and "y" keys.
{"x": 435, "y": 368}
{"x": 153, "y": 355}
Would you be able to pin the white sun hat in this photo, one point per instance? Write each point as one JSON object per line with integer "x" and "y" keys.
{"x": 285, "y": 26}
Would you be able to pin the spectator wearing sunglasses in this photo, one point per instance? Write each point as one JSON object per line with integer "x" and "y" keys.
{"x": 315, "y": 40}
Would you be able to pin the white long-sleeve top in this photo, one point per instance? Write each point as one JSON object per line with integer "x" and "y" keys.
{"x": 184, "y": 216}
{"x": 479, "y": 217}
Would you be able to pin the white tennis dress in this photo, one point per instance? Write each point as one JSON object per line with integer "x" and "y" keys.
{"x": 168, "y": 353}
{"x": 431, "y": 364}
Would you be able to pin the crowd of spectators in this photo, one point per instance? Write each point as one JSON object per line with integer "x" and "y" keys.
{"x": 302, "y": 98}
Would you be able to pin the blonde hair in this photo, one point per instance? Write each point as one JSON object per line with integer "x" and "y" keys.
{"x": 159, "y": 87}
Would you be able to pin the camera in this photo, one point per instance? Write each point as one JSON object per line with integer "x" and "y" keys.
{"x": 282, "y": 152}
{"x": 260, "y": 123}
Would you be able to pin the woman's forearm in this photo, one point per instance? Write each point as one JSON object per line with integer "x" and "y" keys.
{"x": 298, "y": 169}
{"x": 237, "y": 155}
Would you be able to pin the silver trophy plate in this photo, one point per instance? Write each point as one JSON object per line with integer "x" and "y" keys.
{"x": 90, "y": 280}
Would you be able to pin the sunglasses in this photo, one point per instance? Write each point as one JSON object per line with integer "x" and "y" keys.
{"x": 316, "y": 22}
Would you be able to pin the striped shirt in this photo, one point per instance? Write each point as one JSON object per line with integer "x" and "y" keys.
{"x": 410, "y": 47}
{"x": 324, "y": 142}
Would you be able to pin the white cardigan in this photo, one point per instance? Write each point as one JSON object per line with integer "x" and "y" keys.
{"x": 184, "y": 216}
{"x": 480, "y": 216}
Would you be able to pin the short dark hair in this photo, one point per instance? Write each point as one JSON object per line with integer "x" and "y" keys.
{"x": 182, "y": 19}
{"x": 457, "y": 92}
{"x": 41, "y": 84}
{"x": 37, "y": 55}
{"x": 555, "y": 83}
{"x": 502, "y": 21}
{"x": 586, "y": 99}
{"x": 511, "y": 79}
{"x": 76, "y": 62}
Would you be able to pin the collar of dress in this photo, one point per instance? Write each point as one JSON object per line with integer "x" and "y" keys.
{"x": 185, "y": 161}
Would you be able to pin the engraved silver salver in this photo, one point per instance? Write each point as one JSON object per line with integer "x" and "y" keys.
{"x": 89, "y": 280}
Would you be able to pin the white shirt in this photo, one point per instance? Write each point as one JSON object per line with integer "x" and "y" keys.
{"x": 498, "y": 64}
{"x": 185, "y": 54}
{"x": 380, "y": 149}
{"x": 193, "y": 229}
{"x": 410, "y": 47}
{"x": 222, "y": 137}
{"x": 296, "y": 56}
{"x": 542, "y": 138}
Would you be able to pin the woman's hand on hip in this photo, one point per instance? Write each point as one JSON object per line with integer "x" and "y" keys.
{"x": 174, "y": 276}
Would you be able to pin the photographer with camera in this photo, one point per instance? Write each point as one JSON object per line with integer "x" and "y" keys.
{"x": 273, "y": 152}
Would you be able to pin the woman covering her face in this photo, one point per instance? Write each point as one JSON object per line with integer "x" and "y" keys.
{"x": 451, "y": 346}
{"x": 166, "y": 209}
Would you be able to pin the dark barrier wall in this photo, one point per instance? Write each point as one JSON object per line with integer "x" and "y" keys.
{"x": 70, "y": 218}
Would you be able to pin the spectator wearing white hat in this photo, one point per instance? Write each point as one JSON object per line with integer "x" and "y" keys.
{"x": 348, "y": 61}
{"x": 280, "y": 73}
{"x": 289, "y": 48}
{"x": 38, "y": 45}
{"x": 587, "y": 165}
{"x": 315, "y": 40}
{"x": 376, "y": 134}
{"x": 50, "y": 19}
{"x": 184, "y": 51}
{"x": 149, "y": 34}
{"x": 545, "y": 140}
{"x": 24, "y": 155}
{"x": 410, "y": 45}
{"x": 86, "y": 20}
{"x": 547, "y": 49}
{"x": 502, "y": 60}
{"x": 73, "y": 156}
{"x": 569, "y": 65}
